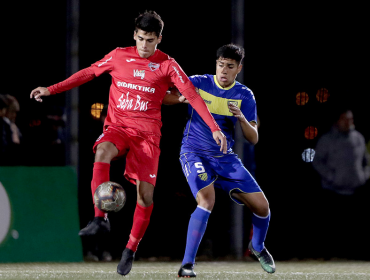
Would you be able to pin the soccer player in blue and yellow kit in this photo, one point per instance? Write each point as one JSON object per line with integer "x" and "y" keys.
{"x": 206, "y": 168}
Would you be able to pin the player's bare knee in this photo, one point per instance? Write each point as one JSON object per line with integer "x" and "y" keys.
{"x": 105, "y": 153}
{"x": 145, "y": 197}
{"x": 257, "y": 203}
{"x": 206, "y": 203}
{"x": 99, "y": 154}
{"x": 145, "y": 200}
{"x": 206, "y": 198}
{"x": 262, "y": 210}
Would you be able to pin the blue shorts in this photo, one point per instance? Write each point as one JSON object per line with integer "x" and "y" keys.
{"x": 226, "y": 172}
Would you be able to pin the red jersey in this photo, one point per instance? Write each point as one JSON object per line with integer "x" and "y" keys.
{"x": 138, "y": 88}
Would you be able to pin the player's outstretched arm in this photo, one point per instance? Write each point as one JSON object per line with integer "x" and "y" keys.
{"x": 37, "y": 93}
{"x": 77, "y": 79}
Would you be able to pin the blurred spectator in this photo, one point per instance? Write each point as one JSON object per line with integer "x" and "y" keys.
{"x": 341, "y": 160}
{"x": 5, "y": 132}
{"x": 11, "y": 136}
{"x": 11, "y": 116}
{"x": 341, "y": 157}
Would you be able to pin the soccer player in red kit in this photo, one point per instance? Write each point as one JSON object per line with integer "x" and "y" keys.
{"x": 141, "y": 76}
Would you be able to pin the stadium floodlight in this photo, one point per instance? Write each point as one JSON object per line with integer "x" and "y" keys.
{"x": 308, "y": 155}
{"x": 301, "y": 98}
{"x": 322, "y": 95}
{"x": 310, "y": 132}
{"x": 96, "y": 109}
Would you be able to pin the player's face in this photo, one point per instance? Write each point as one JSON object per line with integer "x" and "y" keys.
{"x": 345, "y": 122}
{"x": 146, "y": 43}
{"x": 226, "y": 71}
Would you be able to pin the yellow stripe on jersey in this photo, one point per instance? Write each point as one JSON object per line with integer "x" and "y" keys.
{"x": 218, "y": 105}
{"x": 217, "y": 84}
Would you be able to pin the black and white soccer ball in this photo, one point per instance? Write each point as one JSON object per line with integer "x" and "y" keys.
{"x": 109, "y": 197}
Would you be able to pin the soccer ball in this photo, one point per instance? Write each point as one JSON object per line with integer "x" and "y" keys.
{"x": 109, "y": 197}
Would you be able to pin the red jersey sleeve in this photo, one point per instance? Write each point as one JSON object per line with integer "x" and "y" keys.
{"x": 105, "y": 65}
{"x": 178, "y": 76}
{"x": 77, "y": 79}
{"x": 197, "y": 102}
{"x": 85, "y": 75}
{"x": 186, "y": 87}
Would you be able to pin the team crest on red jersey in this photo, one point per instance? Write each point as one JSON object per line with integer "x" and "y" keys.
{"x": 153, "y": 66}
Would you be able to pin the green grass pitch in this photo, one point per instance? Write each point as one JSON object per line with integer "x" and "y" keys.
{"x": 350, "y": 270}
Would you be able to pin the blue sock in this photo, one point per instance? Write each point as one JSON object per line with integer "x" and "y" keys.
{"x": 260, "y": 227}
{"x": 197, "y": 227}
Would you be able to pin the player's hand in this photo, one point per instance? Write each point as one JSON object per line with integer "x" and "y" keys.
{"x": 38, "y": 92}
{"x": 173, "y": 97}
{"x": 235, "y": 110}
{"x": 182, "y": 99}
{"x": 220, "y": 139}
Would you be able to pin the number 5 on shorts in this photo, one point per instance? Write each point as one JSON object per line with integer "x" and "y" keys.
{"x": 199, "y": 166}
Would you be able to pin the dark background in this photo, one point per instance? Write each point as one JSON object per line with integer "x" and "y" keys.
{"x": 289, "y": 49}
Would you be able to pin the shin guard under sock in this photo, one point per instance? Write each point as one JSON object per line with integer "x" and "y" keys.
{"x": 260, "y": 227}
{"x": 197, "y": 227}
{"x": 100, "y": 175}
{"x": 140, "y": 224}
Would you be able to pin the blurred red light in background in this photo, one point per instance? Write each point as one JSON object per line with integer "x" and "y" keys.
{"x": 310, "y": 132}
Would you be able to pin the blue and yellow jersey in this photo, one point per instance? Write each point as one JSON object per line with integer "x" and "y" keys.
{"x": 197, "y": 135}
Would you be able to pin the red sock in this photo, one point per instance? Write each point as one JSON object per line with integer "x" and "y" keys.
{"x": 100, "y": 175}
{"x": 140, "y": 224}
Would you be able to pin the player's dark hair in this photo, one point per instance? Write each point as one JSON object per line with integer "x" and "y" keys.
{"x": 149, "y": 21}
{"x": 231, "y": 51}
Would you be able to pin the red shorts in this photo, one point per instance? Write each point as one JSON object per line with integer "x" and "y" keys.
{"x": 140, "y": 148}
